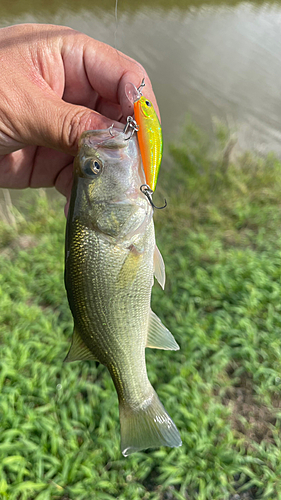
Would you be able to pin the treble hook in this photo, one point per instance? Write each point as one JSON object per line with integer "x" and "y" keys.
{"x": 110, "y": 129}
{"x": 141, "y": 85}
{"x": 147, "y": 191}
{"x": 132, "y": 124}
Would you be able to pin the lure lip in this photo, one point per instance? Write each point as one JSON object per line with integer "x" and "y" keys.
{"x": 132, "y": 92}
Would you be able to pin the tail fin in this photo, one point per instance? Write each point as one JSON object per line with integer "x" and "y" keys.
{"x": 148, "y": 426}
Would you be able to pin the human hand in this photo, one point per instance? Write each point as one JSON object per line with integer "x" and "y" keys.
{"x": 54, "y": 84}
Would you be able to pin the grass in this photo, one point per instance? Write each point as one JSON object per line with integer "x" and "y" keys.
{"x": 221, "y": 241}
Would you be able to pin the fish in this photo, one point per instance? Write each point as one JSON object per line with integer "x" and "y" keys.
{"x": 111, "y": 258}
{"x": 149, "y": 133}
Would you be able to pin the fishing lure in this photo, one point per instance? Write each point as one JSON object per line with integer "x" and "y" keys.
{"x": 149, "y": 133}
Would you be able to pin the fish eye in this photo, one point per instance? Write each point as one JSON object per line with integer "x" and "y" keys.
{"x": 148, "y": 103}
{"x": 92, "y": 166}
{"x": 96, "y": 167}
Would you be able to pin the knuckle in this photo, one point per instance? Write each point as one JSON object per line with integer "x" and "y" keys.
{"x": 75, "y": 122}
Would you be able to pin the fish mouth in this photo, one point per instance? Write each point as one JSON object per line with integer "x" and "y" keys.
{"x": 103, "y": 138}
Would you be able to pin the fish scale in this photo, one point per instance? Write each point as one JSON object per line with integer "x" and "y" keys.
{"x": 110, "y": 249}
{"x": 96, "y": 273}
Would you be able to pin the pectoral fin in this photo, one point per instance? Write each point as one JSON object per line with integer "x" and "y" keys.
{"x": 159, "y": 337}
{"x": 78, "y": 350}
{"x": 159, "y": 267}
{"x": 130, "y": 267}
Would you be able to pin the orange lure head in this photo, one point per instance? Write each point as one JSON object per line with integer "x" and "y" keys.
{"x": 149, "y": 136}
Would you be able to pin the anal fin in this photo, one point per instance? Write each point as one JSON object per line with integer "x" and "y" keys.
{"x": 79, "y": 350}
{"x": 158, "y": 336}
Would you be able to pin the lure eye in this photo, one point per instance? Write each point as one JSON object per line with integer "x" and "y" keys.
{"x": 92, "y": 166}
{"x": 148, "y": 103}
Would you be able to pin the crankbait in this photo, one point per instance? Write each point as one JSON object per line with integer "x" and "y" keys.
{"x": 149, "y": 133}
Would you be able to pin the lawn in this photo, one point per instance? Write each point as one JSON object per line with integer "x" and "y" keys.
{"x": 220, "y": 237}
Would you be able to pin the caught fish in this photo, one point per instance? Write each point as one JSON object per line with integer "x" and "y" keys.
{"x": 149, "y": 133}
{"x": 111, "y": 257}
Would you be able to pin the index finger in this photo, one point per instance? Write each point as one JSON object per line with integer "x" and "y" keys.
{"x": 107, "y": 70}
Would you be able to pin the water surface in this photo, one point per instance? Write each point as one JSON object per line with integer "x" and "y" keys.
{"x": 204, "y": 58}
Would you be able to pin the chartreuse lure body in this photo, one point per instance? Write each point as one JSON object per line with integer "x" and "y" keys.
{"x": 150, "y": 139}
{"x": 149, "y": 133}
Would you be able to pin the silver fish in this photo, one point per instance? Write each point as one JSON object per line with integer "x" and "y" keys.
{"x": 111, "y": 257}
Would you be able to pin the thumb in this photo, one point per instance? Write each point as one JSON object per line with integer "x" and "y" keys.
{"x": 56, "y": 124}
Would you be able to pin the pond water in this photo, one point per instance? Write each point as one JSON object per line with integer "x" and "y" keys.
{"x": 204, "y": 58}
